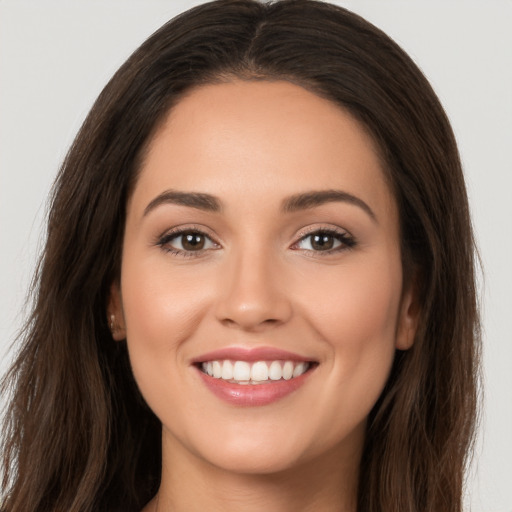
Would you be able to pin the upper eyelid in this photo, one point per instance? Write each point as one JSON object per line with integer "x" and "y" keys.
{"x": 323, "y": 229}
{"x": 180, "y": 230}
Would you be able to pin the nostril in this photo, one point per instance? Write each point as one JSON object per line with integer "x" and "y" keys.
{"x": 250, "y": 324}
{"x": 251, "y": 297}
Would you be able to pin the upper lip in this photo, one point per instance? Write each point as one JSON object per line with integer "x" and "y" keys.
{"x": 250, "y": 355}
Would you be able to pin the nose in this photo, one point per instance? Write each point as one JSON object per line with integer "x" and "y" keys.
{"x": 252, "y": 294}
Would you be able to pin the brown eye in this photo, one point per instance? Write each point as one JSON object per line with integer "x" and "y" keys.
{"x": 192, "y": 241}
{"x": 184, "y": 242}
{"x": 322, "y": 242}
{"x": 326, "y": 241}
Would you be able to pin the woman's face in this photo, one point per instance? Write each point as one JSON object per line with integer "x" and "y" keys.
{"x": 261, "y": 284}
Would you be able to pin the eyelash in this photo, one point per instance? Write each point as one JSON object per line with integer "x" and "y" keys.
{"x": 346, "y": 240}
{"x": 164, "y": 240}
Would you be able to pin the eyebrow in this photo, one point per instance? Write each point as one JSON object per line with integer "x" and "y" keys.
{"x": 297, "y": 202}
{"x": 197, "y": 200}
{"x": 317, "y": 198}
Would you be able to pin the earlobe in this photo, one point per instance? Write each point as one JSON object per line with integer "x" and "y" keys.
{"x": 408, "y": 318}
{"x": 115, "y": 315}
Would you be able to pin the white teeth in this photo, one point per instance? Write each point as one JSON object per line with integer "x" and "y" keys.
{"x": 275, "y": 372}
{"x": 287, "y": 370}
{"x": 299, "y": 369}
{"x": 217, "y": 369}
{"x": 259, "y": 371}
{"x": 208, "y": 368}
{"x": 243, "y": 372}
{"x": 227, "y": 370}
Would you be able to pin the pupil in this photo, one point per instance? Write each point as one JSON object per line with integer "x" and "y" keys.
{"x": 322, "y": 242}
{"x": 193, "y": 241}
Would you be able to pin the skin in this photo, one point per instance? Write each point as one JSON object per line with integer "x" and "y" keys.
{"x": 261, "y": 282}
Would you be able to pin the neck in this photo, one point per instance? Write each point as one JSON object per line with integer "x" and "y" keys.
{"x": 189, "y": 483}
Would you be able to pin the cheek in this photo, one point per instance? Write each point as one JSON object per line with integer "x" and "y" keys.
{"x": 160, "y": 307}
{"x": 361, "y": 311}
{"x": 357, "y": 325}
{"x": 161, "y": 311}
{"x": 356, "y": 305}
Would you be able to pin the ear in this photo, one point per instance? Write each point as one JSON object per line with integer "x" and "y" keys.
{"x": 115, "y": 315}
{"x": 409, "y": 316}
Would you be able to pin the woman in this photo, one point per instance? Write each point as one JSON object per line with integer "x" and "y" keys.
{"x": 251, "y": 294}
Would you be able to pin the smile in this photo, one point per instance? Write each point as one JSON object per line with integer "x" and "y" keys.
{"x": 258, "y": 372}
{"x": 253, "y": 377}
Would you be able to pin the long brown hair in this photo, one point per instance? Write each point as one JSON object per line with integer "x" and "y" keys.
{"x": 77, "y": 434}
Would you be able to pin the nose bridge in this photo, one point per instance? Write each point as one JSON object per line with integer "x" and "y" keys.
{"x": 252, "y": 295}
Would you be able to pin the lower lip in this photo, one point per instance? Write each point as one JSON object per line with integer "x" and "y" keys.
{"x": 253, "y": 394}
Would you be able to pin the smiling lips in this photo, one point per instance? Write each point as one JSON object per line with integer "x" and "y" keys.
{"x": 236, "y": 375}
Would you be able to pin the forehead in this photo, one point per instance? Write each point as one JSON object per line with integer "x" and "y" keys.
{"x": 261, "y": 139}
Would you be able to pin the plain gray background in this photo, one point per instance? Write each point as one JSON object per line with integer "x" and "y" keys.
{"x": 55, "y": 56}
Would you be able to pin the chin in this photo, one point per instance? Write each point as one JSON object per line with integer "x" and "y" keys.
{"x": 257, "y": 460}
{"x": 273, "y": 448}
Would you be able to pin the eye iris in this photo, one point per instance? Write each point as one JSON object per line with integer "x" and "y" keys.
{"x": 193, "y": 241}
{"x": 322, "y": 242}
